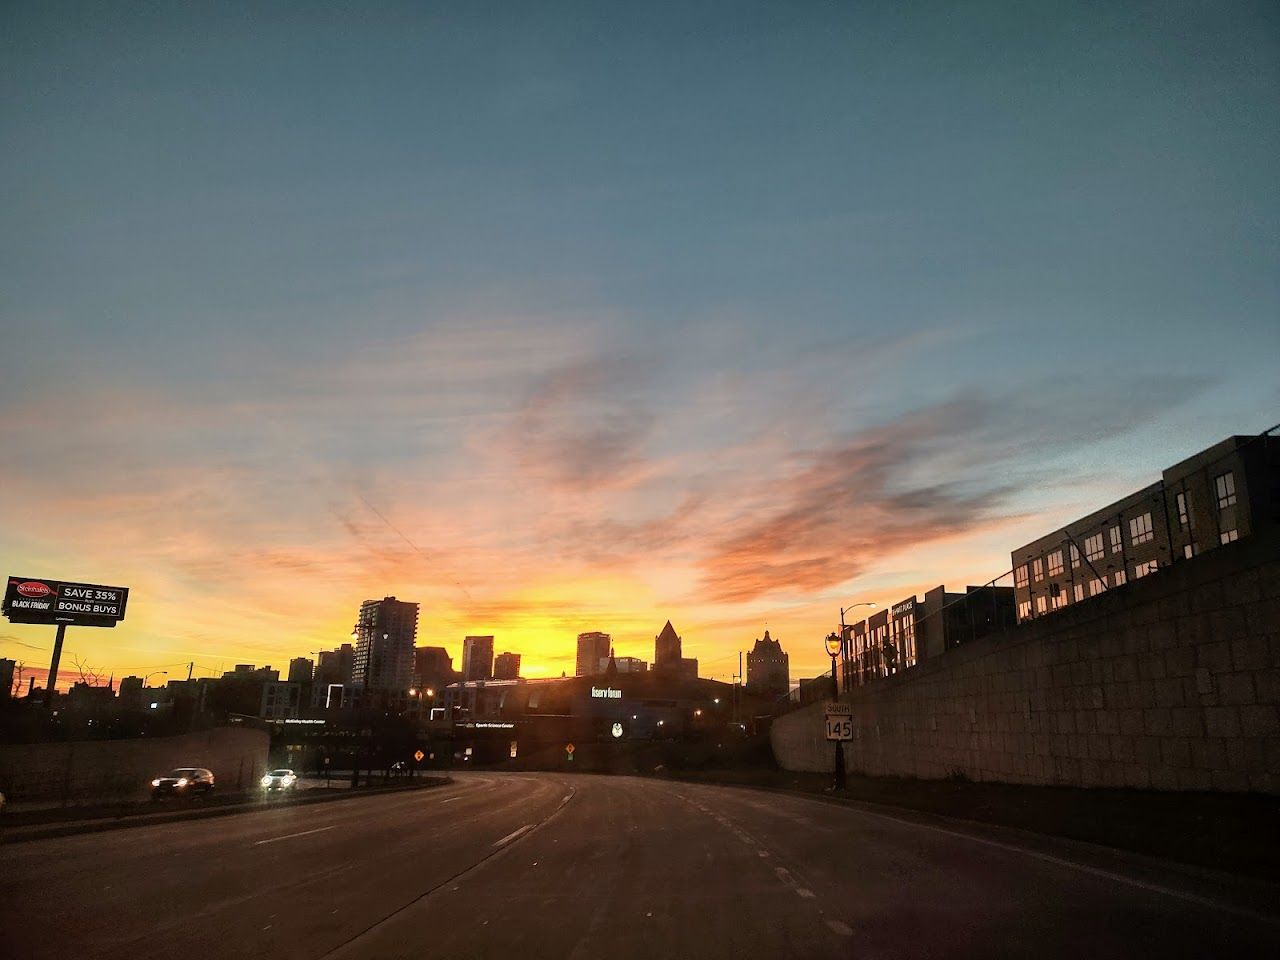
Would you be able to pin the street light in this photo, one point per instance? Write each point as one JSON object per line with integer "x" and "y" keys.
{"x": 843, "y": 649}
{"x": 834, "y": 644}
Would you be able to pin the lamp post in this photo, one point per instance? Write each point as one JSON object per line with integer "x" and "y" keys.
{"x": 843, "y": 642}
{"x": 834, "y": 643}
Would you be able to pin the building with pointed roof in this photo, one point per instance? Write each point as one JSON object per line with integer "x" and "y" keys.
{"x": 668, "y": 655}
{"x": 768, "y": 668}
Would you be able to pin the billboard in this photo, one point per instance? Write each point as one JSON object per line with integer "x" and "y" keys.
{"x": 35, "y": 600}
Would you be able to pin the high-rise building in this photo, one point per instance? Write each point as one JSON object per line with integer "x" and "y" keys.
{"x": 668, "y": 655}
{"x": 592, "y": 648}
{"x": 768, "y": 668}
{"x": 507, "y": 667}
{"x": 432, "y": 668}
{"x": 477, "y": 658}
{"x": 335, "y": 666}
{"x": 300, "y": 670}
{"x": 623, "y": 665}
{"x": 385, "y": 635}
{"x": 667, "y": 650}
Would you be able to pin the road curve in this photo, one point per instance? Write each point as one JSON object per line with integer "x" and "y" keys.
{"x": 549, "y": 865}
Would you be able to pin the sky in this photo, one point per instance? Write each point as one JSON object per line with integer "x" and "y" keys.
{"x": 583, "y": 316}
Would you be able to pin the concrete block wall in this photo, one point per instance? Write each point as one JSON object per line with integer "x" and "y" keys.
{"x": 1171, "y": 682}
{"x": 93, "y": 771}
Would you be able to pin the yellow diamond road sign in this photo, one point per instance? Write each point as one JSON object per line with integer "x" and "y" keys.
{"x": 419, "y": 755}
{"x": 568, "y": 748}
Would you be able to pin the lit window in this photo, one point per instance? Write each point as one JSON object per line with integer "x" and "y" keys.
{"x": 1226, "y": 486}
{"x": 1120, "y": 578}
{"x": 1096, "y": 587}
{"x": 1057, "y": 596}
{"x": 1142, "y": 569}
{"x": 1037, "y": 569}
{"x": 1055, "y": 563}
{"x": 1140, "y": 530}
{"x": 1229, "y": 536}
{"x": 1116, "y": 543}
{"x": 1184, "y": 516}
{"x": 1078, "y": 590}
{"x": 1093, "y": 548}
{"x": 1024, "y": 609}
{"x": 1189, "y": 550}
{"x": 1075, "y": 557}
{"x": 1020, "y": 578}
{"x": 1042, "y": 604}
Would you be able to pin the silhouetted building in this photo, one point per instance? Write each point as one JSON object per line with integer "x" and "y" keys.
{"x": 86, "y": 698}
{"x": 6, "y": 677}
{"x": 507, "y": 667}
{"x": 385, "y": 635}
{"x": 1213, "y": 498}
{"x": 667, "y": 650}
{"x": 332, "y": 674}
{"x": 300, "y": 670}
{"x": 592, "y": 649}
{"x": 131, "y": 693}
{"x": 477, "y": 658}
{"x": 280, "y": 700}
{"x": 768, "y": 668}
{"x": 433, "y": 668}
{"x": 244, "y": 672}
{"x": 623, "y": 665}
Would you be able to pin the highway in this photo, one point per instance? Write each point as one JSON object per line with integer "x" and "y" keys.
{"x": 562, "y": 866}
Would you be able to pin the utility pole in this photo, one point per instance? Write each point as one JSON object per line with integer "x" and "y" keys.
{"x": 190, "y": 667}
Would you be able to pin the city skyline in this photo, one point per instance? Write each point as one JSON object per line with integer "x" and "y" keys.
{"x": 592, "y": 323}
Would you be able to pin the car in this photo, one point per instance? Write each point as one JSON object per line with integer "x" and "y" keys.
{"x": 183, "y": 782}
{"x": 285, "y": 781}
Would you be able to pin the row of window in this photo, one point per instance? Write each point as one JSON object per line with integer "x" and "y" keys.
{"x": 1141, "y": 530}
{"x": 1057, "y": 596}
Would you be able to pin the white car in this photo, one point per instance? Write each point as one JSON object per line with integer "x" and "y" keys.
{"x": 284, "y": 781}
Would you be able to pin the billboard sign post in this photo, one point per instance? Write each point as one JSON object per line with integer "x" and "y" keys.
{"x": 62, "y": 604}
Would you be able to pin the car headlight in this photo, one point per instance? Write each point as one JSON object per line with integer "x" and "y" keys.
{"x": 182, "y": 781}
{"x": 266, "y": 781}
{"x": 155, "y": 783}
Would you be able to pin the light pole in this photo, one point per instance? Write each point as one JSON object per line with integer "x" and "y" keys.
{"x": 843, "y": 642}
{"x": 834, "y": 643}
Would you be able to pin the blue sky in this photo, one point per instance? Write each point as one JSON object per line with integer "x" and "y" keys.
{"x": 613, "y": 312}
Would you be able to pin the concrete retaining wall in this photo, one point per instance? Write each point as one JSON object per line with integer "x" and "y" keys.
{"x": 1172, "y": 682}
{"x": 93, "y": 771}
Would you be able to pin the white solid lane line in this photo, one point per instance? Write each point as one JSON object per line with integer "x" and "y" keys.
{"x": 290, "y": 836}
{"x": 451, "y": 799}
{"x": 512, "y": 835}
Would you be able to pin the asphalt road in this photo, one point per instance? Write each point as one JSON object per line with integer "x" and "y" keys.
{"x": 558, "y": 866}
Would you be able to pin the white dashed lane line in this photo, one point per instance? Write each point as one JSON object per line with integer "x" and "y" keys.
{"x": 290, "y": 836}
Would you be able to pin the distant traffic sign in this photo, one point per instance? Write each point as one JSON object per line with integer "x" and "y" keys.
{"x": 418, "y": 755}
{"x": 33, "y": 600}
{"x": 568, "y": 748}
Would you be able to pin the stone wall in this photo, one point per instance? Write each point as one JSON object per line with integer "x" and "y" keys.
{"x": 93, "y": 771}
{"x": 1171, "y": 682}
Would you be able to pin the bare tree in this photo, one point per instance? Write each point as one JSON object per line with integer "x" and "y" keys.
{"x": 19, "y": 669}
{"x": 89, "y": 674}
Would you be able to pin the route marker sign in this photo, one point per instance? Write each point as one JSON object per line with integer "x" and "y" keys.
{"x": 418, "y": 755}
{"x": 839, "y": 721}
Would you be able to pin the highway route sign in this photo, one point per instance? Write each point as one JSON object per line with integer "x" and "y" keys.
{"x": 839, "y": 721}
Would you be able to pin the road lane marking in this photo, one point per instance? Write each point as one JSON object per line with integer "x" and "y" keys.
{"x": 841, "y": 928}
{"x": 451, "y": 799}
{"x": 290, "y": 836}
{"x": 513, "y": 835}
